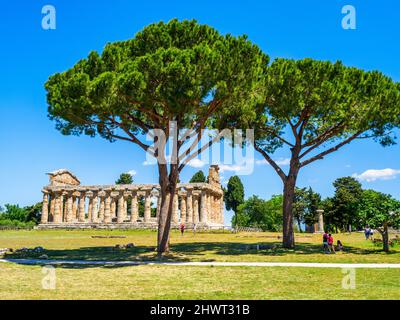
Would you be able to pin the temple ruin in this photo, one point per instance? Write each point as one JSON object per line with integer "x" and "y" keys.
{"x": 68, "y": 204}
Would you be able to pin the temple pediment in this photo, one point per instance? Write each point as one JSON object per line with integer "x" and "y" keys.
{"x": 63, "y": 177}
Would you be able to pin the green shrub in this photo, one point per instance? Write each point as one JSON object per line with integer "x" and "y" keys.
{"x": 8, "y": 223}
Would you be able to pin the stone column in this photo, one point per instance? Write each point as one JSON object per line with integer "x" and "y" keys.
{"x": 217, "y": 209}
{"x": 189, "y": 207}
{"x": 147, "y": 207}
{"x": 221, "y": 214}
{"x": 107, "y": 209}
{"x": 81, "y": 210}
{"x": 90, "y": 207}
{"x": 57, "y": 208}
{"x": 125, "y": 212}
{"x": 113, "y": 207}
{"x": 62, "y": 208}
{"x": 195, "y": 208}
{"x": 134, "y": 208}
{"x": 183, "y": 208}
{"x": 175, "y": 209}
{"x": 95, "y": 211}
{"x": 69, "y": 208}
{"x": 320, "y": 213}
{"x": 45, "y": 208}
{"x": 203, "y": 206}
{"x": 74, "y": 209}
{"x": 120, "y": 212}
{"x": 52, "y": 207}
{"x": 101, "y": 209}
{"x": 210, "y": 212}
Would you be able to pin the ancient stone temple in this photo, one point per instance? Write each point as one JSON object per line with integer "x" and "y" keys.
{"x": 68, "y": 204}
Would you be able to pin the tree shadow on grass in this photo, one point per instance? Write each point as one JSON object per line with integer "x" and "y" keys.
{"x": 261, "y": 248}
{"x": 181, "y": 252}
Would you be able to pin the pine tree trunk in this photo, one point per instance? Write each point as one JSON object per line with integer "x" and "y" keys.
{"x": 288, "y": 199}
{"x": 167, "y": 191}
{"x": 385, "y": 238}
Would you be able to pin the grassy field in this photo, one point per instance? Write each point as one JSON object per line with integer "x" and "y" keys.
{"x": 190, "y": 247}
{"x": 184, "y": 282}
{"x": 170, "y": 282}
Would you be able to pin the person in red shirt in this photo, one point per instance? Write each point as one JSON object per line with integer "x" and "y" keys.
{"x": 330, "y": 244}
{"x": 325, "y": 242}
{"x": 182, "y": 228}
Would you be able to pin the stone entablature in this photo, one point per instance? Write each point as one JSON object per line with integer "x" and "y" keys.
{"x": 74, "y": 205}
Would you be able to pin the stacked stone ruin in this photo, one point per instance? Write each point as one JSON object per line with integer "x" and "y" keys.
{"x": 68, "y": 204}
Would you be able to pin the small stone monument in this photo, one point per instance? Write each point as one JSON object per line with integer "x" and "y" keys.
{"x": 320, "y": 223}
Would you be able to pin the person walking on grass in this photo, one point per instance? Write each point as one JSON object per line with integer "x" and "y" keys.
{"x": 182, "y": 228}
{"x": 325, "y": 242}
{"x": 330, "y": 244}
{"x": 367, "y": 232}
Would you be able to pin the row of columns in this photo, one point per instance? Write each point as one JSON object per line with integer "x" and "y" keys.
{"x": 102, "y": 207}
{"x": 192, "y": 206}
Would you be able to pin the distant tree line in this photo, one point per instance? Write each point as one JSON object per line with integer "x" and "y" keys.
{"x": 350, "y": 208}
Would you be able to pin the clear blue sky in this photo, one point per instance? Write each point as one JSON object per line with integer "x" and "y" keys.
{"x": 30, "y": 146}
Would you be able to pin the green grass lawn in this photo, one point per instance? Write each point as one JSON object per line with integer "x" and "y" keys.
{"x": 171, "y": 282}
{"x": 184, "y": 282}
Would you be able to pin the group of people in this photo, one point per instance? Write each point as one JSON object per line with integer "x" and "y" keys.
{"x": 329, "y": 247}
{"x": 182, "y": 228}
